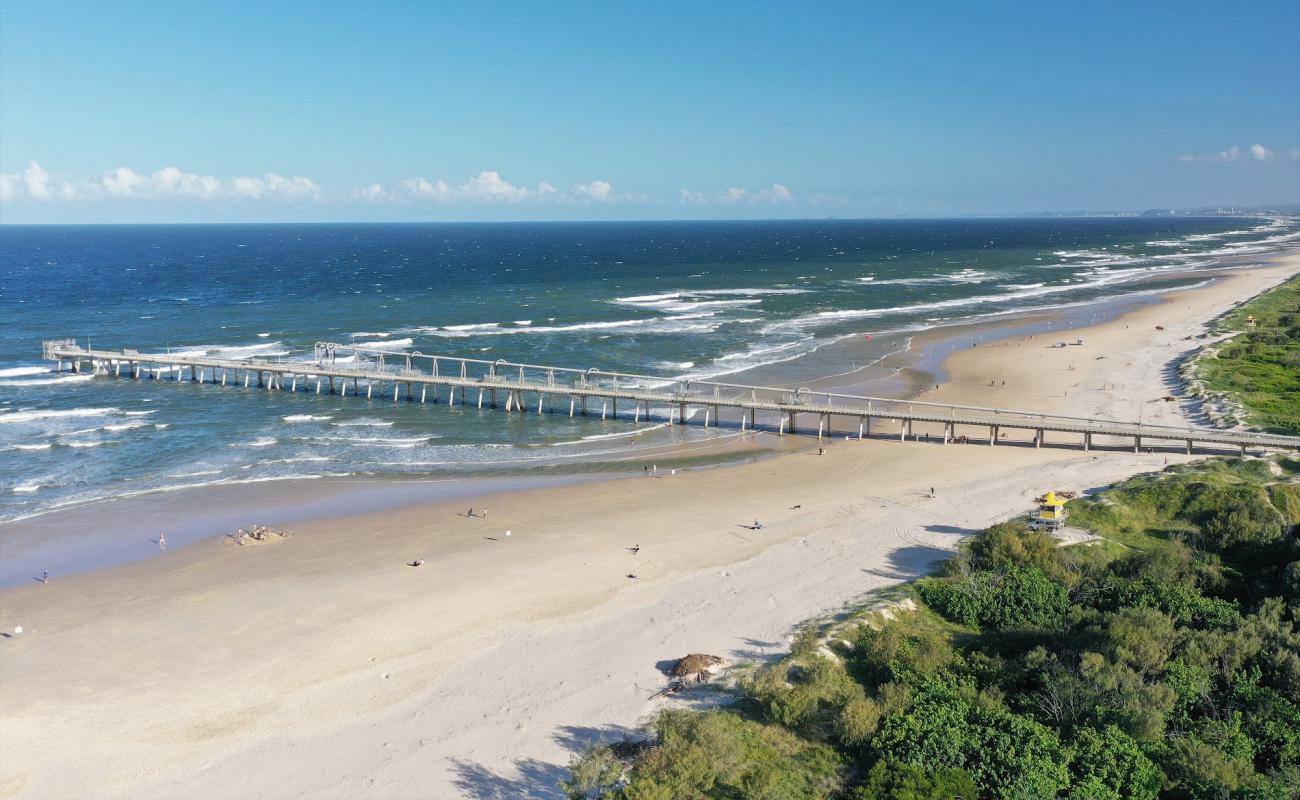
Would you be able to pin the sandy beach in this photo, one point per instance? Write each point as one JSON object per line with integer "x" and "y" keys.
{"x": 322, "y": 665}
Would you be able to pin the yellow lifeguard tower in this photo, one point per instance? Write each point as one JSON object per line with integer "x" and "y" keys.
{"x": 1052, "y": 513}
{"x": 1251, "y": 321}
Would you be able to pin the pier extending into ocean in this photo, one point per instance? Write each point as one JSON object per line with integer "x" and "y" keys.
{"x": 431, "y": 379}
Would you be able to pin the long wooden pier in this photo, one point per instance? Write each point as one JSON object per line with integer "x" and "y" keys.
{"x": 431, "y": 379}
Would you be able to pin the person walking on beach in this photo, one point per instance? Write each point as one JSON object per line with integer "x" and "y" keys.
{"x": 45, "y": 576}
{"x": 470, "y": 513}
{"x": 484, "y": 514}
{"x": 932, "y": 491}
{"x": 162, "y": 541}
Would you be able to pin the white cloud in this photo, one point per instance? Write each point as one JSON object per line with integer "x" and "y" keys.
{"x": 734, "y": 195}
{"x": 419, "y": 187}
{"x": 36, "y": 183}
{"x": 1258, "y": 152}
{"x": 272, "y": 185}
{"x": 166, "y": 182}
{"x": 596, "y": 191}
{"x": 489, "y": 187}
{"x": 374, "y": 191}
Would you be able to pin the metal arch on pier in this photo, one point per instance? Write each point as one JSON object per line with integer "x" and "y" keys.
{"x": 367, "y": 367}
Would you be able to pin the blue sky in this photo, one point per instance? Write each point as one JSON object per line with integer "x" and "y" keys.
{"x": 134, "y": 111}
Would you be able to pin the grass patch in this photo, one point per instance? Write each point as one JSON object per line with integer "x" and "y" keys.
{"x": 1259, "y": 366}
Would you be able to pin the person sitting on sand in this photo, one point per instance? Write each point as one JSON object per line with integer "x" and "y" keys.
{"x": 634, "y": 549}
{"x": 758, "y": 526}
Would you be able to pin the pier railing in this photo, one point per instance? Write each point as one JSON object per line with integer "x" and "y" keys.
{"x": 365, "y": 367}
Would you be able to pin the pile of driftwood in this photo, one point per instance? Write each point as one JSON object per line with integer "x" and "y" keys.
{"x": 258, "y": 533}
{"x": 693, "y": 668}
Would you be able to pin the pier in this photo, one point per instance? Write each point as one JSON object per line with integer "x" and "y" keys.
{"x": 400, "y": 376}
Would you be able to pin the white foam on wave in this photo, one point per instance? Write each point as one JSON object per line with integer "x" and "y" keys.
{"x": 39, "y": 446}
{"x": 13, "y": 372}
{"x": 93, "y": 443}
{"x": 386, "y": 344}
{"x": 740, "y": 292}
{"x": 261, "y": 441}
{"x": 367, "y": 440}
{"x": 25, "y": 488}
{"x": 306, "y": 418}
{"x": 1091, "y": 279}
{"x": 960, "y": 276}
{"x": 675, "y": 324}
{"x": 364, "y": 423}
{"x": 50, "y": 381}
{"x": 597, "y": 437}
{"x": 262, "y": 350}
{"x": 32, "y": 416}
{"x": 124, "y": 426}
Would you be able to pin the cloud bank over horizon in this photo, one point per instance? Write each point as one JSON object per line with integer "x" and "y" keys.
{"x": 35, "y": 183}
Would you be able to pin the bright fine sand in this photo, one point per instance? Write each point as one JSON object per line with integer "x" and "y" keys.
{"x": 323, "y": 666}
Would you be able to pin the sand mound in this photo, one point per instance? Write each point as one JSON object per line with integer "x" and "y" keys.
{"x": 258, "y": 534}
{"x": 695, "y": 665}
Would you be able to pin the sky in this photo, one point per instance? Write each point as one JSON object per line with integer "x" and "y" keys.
{"x": 320, "y": 111}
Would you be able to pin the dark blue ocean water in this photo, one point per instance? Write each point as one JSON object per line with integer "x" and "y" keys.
{"x": 700, "y": 299}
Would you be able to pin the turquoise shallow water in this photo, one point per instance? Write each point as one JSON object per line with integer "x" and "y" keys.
{"x": 753, "y": 301}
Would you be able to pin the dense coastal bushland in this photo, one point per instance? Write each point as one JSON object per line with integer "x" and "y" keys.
{"x": 1253, "y": 377}
{"x": 1160, "y": 660}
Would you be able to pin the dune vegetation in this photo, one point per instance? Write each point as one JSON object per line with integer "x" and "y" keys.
{"x": 1253, "y": 377}
{"x": 1159, "y": 660}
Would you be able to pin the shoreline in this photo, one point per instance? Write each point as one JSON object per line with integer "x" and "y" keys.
{"x": 324, "y": 664}
{"x": 106, "y": 532}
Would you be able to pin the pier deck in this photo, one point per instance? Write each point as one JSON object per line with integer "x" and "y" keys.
{"x": 416, "y": 377}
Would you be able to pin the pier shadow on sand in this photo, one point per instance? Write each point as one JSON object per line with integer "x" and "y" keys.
{"x": 536, "y": 779}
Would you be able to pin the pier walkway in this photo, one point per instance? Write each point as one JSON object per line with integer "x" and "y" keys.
{"x": 420, "y": 378}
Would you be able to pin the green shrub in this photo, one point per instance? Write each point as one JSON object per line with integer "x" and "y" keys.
{"x": 1009, "y": 756}
{"x": 1016, "y": 597}
{"x": 1109, "y": 765}
{"x": 899, "y": 780}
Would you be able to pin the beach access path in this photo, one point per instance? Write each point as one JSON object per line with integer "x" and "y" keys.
{"x": 323, "y": 666}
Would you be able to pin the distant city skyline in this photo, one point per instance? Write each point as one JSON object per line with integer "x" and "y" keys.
{"x": 335, "y": 112}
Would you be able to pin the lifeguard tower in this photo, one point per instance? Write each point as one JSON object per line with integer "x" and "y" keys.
{"x": 1251, "y": 322}
{"x": 1052, "y": 513}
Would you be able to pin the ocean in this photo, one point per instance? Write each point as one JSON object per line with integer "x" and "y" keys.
{"x": 758, "y": 302}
